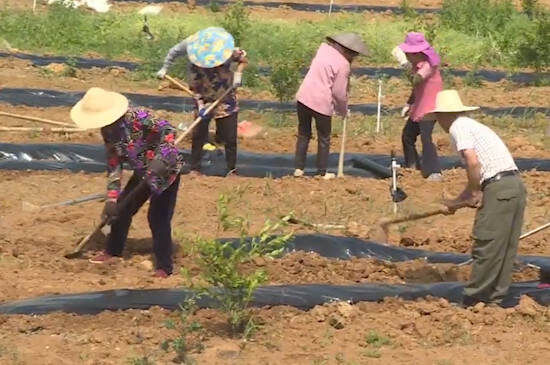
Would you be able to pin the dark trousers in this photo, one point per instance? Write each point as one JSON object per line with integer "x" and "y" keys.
{"x": 161, "y": 210}
{"x": 226, "y": 131}
{"x": 323, "y": 124}
{"x": 496, "y": 232}
{"x": 430, "y": 161}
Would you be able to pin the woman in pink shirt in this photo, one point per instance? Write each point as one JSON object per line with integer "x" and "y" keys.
{"x": 323, "y": 92}
{"x": 427, "y": 82}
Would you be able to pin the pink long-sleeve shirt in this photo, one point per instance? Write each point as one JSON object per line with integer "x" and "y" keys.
{"x": 425, "y": 92}
{"x": 325, "y": 87}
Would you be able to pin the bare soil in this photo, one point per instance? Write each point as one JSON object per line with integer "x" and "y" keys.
{"x": 429, "y": 331}
{"x": 33, "y": 243}
{"x": 422, "y": 332}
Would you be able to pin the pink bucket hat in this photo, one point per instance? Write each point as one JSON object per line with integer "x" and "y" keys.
{"x": 417, "y": 43}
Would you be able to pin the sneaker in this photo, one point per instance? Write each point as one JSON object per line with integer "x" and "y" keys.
{"x": 328, "y": 176}
{"x": 298, "y": 173}
{"x": 435, "y": 177}
{"x": 159, "y": 273}
{"x": 102, "y": 258}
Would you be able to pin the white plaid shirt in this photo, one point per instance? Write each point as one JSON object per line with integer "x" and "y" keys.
{"x": 492, "y": 153}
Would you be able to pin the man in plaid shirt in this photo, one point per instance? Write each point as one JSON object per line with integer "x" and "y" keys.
{"x": 495, "y": 189}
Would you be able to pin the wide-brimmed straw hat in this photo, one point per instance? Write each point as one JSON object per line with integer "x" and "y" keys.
{"x": 351, "y": 41}
{"x": 210, "y": 47}
{"x": 448, "y": 101}
{"x": 98, "y": 108}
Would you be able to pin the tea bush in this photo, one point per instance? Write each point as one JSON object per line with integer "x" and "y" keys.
{"x": 220, "y": 265}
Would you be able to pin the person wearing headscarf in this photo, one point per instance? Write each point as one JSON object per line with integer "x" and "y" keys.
{"x": 324, "y": 92}
{"x": 147, "y": 145}
{"x": 212, "y": 54}
{"x": 427, "y": 82}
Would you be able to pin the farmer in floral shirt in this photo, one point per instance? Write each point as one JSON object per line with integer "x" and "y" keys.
{"x": 146, "y": 144}
{"x": 212, "y": 54}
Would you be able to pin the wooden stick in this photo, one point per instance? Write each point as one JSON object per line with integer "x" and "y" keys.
{"x": 36, "y": 119}
{"x": 342, "y": 149}
{"x": 527, "y": 234}
{"x": 29, "y": 207}
{"x": 179, "y": 85}
{"x": 413, "y": 217}
{"x": 84, "y": 241}
{"x": 198, "y": 120}
{"x": 40, "y": 129}
{"x": 317, "y": 226}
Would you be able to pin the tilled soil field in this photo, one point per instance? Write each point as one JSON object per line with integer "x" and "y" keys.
{"x": 425, "y": 332}
{"x": 33, "y": 243}
{"x": 428, "y": 331}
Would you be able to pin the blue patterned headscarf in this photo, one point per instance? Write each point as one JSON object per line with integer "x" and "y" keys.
{"x": 210, "y": 47}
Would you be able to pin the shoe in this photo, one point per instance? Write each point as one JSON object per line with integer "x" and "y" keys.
{"x": 102, "y": 258}
{"x": 231, "y": 173}
{"x": 298, "y": 173}
{"x": 160, "y": 273}
{"x": 328, "y": 176}
{"x": 435, "y": 177}
{"x": 195, "y": 173}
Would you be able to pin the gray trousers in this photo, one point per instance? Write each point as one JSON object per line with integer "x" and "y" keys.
{"x": 496, "y": 232}
{"x": 430, "y": 162}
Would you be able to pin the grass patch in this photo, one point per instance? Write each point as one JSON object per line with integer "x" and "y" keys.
{"x": 375, "y": 339}
{"x": 480, "y": 32}
{"x": 141, "y": 361}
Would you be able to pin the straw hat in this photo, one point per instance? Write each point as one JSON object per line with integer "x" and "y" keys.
{"x": 98, "y": 108}
{"x": 351, "y": 41}
{"x": 210, "y": 47}
{"x": 448, "y": 101}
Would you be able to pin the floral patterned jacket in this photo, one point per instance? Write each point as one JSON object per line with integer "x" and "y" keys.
{"x": 137, "y": 140}
{"x": 208, "y": 84}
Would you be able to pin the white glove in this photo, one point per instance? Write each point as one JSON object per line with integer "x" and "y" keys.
{"x": 400, "y": 57}
{"x": 161, "y": 73}
{"x": 237, "y": 79}
{"x": 405, "y": 111}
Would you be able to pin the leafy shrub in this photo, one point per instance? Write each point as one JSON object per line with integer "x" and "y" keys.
{"x": 184, "y": 343}
{"x": 285, "y": 77}
{"x": 534, "y": 49}
{"x": 529, "y": 7}
{"x": 220, "y": 265}
{"x": 477, "y": 17}
{"x": 236, "y": 20}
